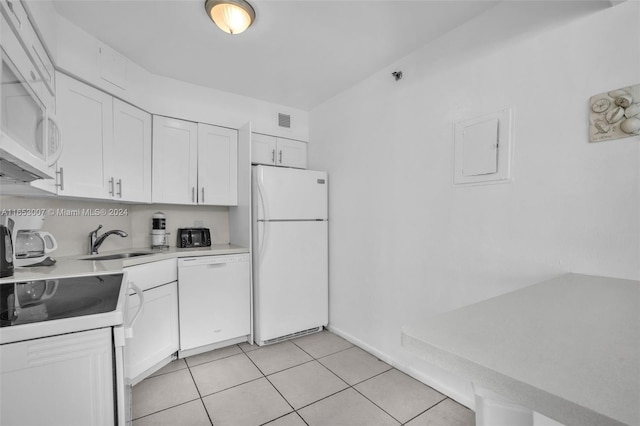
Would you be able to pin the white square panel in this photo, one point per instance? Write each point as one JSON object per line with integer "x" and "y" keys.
{"x": 483, "y": 149}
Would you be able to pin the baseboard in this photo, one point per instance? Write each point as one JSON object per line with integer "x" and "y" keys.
{"x": 443, "y": 388}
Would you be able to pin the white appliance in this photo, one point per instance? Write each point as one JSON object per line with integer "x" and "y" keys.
{"x": 31, "y": 246}
{"x": 61, "y": 345}
{"x": 290, "y": 246}
{"x": 214, "y": 299}
{"x": 23, "y": 134}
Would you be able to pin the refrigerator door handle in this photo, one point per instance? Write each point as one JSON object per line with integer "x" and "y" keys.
{"x": 263, "y": 201}
{"x": 265, "y": 222}
{"x": 263, "y": 241}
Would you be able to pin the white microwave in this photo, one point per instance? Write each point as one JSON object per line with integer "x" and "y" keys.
{"x": 23, "y": 116}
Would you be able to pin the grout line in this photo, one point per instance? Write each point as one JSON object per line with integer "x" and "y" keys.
{"x": 206, "y": 411}
{"x": 337, "y": 352}
{"x": 231, "y": 387}
{"x": 424, "y": 411}
{"x": 323, "y": 398}
{"x": 367, "y": 398}
{"x": 195, "y": 384}
{"x": 213, "y": 360}
{"x": 272, "y": 385}
{"x": 302, "y": 418}
{"x": 164, "y": 409}
{"x": 323, "y": 356}
{"x": 284, "y": 415}
{"x": 289, "y": 368}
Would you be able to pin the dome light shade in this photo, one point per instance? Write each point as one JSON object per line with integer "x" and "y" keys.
{"x": 231, "y": 16}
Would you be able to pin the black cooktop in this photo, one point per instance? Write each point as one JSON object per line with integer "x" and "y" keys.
{"x": 27, "y": 302}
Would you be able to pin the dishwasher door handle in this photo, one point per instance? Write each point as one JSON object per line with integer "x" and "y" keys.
{"x": 215, "y": 265}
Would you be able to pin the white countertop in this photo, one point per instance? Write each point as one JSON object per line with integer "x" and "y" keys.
{"x": 77, "y": 265}
{"x": 568, "y": 348}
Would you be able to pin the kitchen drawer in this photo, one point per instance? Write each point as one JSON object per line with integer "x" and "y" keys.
{"x": 153, "y": 274}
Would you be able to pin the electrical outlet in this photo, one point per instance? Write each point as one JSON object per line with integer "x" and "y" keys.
{"x": 197, "y": 223}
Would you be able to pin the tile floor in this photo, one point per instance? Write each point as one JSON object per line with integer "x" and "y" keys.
{"x": 320, "y": 379}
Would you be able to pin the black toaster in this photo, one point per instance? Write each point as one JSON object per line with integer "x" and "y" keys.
{"x": 194, "y": 237}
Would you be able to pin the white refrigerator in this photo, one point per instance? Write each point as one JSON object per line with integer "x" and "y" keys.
{"x": 290, "y": 252}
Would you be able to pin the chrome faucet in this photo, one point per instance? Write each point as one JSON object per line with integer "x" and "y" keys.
{"x": 95, "y": 242}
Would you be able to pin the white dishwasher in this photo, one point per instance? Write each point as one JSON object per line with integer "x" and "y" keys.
{"x": 214, "y": 300}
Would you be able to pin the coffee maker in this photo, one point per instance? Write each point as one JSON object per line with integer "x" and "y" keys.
{"x": 31, "y": 246}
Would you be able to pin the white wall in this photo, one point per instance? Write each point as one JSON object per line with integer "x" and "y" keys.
{"x": 406, "y": 245}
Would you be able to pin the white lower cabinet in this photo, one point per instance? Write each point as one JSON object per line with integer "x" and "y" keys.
{"x": 59, "y": 380}
{"x": 154, "y": 341}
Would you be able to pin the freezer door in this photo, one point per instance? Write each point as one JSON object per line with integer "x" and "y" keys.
{"x": 291, "y": 291}
{"x": 289, "y": 194}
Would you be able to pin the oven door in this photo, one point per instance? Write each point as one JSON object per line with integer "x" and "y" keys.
{"x": 22, "y": 113}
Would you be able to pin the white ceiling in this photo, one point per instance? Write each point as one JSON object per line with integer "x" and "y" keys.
{"x": 298, "y": 53}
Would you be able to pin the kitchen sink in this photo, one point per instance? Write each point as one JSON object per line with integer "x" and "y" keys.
{"x": 118, "y": 255}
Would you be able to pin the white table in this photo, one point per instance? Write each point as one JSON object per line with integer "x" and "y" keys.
{"x": 568, "y": 348}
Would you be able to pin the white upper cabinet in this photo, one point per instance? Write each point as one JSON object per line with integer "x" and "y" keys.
{"x": 291, "y": 153}
{"x": 107, "y": 145}
{"x": 217, "y": 165}
{"x": 274, "y": 151}
{"x": 263, "y": 149}
{"x": 85, "y": 119}
{"x": 175, "y": 158}
{"x": 194, "y": 163}
{"x": 128, "y": 157}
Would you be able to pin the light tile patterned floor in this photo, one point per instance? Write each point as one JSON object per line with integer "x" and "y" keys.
{"x": 320, "y": 379}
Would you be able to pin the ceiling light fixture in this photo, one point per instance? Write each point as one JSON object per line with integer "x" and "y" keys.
{"x": 231, "y": 16}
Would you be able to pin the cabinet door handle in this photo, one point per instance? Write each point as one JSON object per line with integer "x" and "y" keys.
{"x": 280, "y": 156}
{"x": 193, "y": 194}
{"x": 273, "y": 156}
{"x": 120, "y": 188}
{"x": 203, "y": 194}
{"x": 111, "y": 189}
{"x": 61, "y": 174}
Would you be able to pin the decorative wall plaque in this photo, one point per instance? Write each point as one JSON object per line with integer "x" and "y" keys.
{"x": 615, "y": 114}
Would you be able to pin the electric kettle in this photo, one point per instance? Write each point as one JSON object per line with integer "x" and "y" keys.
{"x": 31, "y": 247}
{"x": 6, "y": 252}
